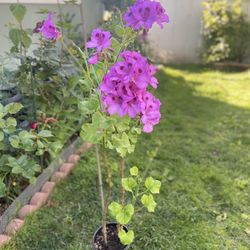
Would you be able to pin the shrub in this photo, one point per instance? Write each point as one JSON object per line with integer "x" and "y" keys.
{"x": 226, "y": 31}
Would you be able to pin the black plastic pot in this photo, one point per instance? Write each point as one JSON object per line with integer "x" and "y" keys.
{"x": 98, "y": 234}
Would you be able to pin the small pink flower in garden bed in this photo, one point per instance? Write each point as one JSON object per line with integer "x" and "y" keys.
{"x": 33, "y": 125}
{"x": 48, "y": 29}
{"x": 100, "y": 40}
{"x": 94, "y": 59}
{"x": 144, "y": 13}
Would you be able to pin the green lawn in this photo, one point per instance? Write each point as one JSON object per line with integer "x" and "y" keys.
{"x": 203, "y": 162}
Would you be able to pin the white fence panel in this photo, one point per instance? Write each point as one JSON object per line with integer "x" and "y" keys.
{"x": 180, "y": 41}
{"x": 92, "y": 12}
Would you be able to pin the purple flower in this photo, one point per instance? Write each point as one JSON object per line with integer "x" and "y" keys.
{"x": 94, "y": 59}
{"x": 48, "y": 29}
{"x": 150, "y": 112}
{"x": 124, "y": 90}
{"x": 39, "y": 25}
{"x": 144, "y": 13}
{"x": 99, "y": 39}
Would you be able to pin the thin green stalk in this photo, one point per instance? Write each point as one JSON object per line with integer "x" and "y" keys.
{"x": 71, "y": 54}
{"x": 99, "y": 170}
{"x": 122, "y": 173}
{"x": 33, "y": 93}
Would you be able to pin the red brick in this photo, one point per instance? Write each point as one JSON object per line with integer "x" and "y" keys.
{"x": 27, "y": 210}
{"x": 14, "y": 226}
{"x": 73, "y": 159}
{"x": 58, "y": 176}
{"x": 84, "y": 148}
{"x": 39, "y": 199}
{"x": 4, "y": 239}
{"x": 48, "y": 187}
{"x": 67, "y": 168}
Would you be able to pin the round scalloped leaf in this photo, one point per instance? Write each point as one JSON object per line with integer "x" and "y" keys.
{"x": 148, "y": 202}
{"x": 153, "y": 185}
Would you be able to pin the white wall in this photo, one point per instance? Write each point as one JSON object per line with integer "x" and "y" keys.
{"x": 180, "y": 41}
{"x": 92, "y": 12}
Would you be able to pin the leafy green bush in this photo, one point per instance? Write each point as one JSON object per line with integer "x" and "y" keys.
{"x": 32, "y": 132}
{"x": 226, "y": 31}
{"x": 14, "y": 165}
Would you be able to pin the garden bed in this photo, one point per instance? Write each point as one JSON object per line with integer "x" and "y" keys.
{"x": 29, "y": 191}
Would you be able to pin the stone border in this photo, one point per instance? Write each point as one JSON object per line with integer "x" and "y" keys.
{"x": 36, "y": 195}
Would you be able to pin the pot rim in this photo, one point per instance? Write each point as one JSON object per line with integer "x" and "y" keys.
{"x": 98, "y": 229}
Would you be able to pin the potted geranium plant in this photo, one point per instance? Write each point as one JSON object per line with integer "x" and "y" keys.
{"x": 121, "y": 107}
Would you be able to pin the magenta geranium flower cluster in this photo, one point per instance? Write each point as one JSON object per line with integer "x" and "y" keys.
{"x": 100, "y": 40}
{"x": 124, "y": 90}
{"x": 48, "y": 28}
{"x": 144, "y": 13}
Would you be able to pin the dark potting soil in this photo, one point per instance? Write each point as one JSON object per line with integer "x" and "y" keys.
{"x": 113, "y": 239}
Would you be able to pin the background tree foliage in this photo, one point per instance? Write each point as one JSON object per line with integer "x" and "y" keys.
{"x": 226, "y": 31}
{"x": 109, "y": 4}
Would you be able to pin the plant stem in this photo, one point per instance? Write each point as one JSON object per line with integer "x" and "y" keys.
{"x": 33, "y": 94}
{"x": 71, "y": 54}
{"x": 99, "y": 169}
{"x": 122, "y": 170}
{"x": 108, "y": 173}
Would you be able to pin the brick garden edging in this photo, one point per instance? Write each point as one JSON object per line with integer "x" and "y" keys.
{"x": 36, "y": 195}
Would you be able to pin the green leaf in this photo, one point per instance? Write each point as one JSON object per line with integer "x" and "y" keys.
{"x": 122, "y": 214}
{"x": 1, "y": 136}
{"x": 13, "y": 108}
{"x": 54, "y": 148}
{"x": 18, "y": 11}
{"x": 24, "y": 166}
{"x": 15, "y": 36}
{"x": 25, "y": 39}
{"x": 10, "y": 125}
{"x": 119, "y": 30}
{"x": 2, "y": 123}
{"x": 45, "y": 133}
{"x": 122, "y": 144}
{"x": 148, "y": 202}
{"x": 40, "y": 145}
{"x": 153, "y": 185}
{"x": 1, "y": 108}
{"x": 116, "y": 45}
{"x": 14, "y": 141}
{"x": 129, "y": 184}
{"x": 115, "y": 208}
{"x": 93, "y": 132}
{"x": 89, "y": 106}
{"x": 11, "y": 122}
{"x": 2, "y": 189}
{"x": 134, "y": 171}
{"x": 125, "y": 214}
{"x": 126, "y": 238}
{"x": 24, "y": 135}
{"x": 26, "y": 141}
{"x": 85, "y": 84}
